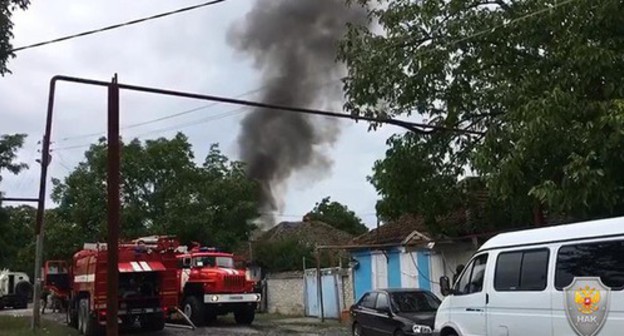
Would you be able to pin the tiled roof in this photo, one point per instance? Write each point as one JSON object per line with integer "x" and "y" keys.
{"x": 394, "y": 232}
{"x": 311, "y": 233}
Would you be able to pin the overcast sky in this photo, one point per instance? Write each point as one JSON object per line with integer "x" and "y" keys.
{"x": 185, "y": 52}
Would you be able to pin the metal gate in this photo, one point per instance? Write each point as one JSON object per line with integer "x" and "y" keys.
{"x": 331, "y": 282}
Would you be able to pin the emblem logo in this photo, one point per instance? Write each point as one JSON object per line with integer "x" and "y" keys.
{"x": 587, "y": 305}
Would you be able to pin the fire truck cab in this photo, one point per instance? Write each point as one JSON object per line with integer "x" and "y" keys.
{"x": 147, "y": 285}
{"x": 210, "y": 285}
{"x": 56, "y": 279}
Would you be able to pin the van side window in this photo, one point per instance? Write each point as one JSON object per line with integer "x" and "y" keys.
{"x": 471, "y": 280}
{"x": 522, "y": 270}
{"x": 602, "y": 259}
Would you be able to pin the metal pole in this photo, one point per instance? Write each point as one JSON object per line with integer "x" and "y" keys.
{"x": 45, "y": 160}
{"x": 19, "y": 199}
{"x": 114, "y": 205}
{"x": 319, "y": 284}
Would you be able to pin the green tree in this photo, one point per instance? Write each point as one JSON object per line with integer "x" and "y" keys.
{"x": 163, "y": 192}
{"x": 281, "y": 256}
{"x": 538, "y": 79}
{"x": 7, "y": 8}
{"x": 337, "y": 215}
{"x": 9, "y": 145}
{"x": 17, "y": 235}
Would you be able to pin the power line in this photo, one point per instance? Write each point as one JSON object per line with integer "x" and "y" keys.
{"x": 185, "y": 112}
{"x": 491, "y": 30}
{"x": 151, "y": 121}
{"x": 201, "y": 121}
{"x": 119, "y": 25}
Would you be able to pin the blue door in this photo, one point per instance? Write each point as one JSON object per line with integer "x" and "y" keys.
{"x": 331, "y": 294}
{"x": 311, "y": 295}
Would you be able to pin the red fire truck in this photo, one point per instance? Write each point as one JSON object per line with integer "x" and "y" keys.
{"x": 56, "y": 279}
{"x": 210, "y": 285}
{"x": 148, "y": 287}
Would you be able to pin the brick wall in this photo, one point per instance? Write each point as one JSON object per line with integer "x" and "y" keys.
{"x": 285, "y": 293}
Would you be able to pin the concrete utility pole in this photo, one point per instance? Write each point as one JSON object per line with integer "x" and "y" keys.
{"x": 45, "y": 162}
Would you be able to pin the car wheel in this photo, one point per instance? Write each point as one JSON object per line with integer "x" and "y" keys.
{"x": 357, "y": 330}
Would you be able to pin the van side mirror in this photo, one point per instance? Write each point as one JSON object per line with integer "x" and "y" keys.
{"x": 445, "y": 286}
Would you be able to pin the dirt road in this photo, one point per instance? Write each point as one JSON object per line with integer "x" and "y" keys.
{"x": 264, "y": 325}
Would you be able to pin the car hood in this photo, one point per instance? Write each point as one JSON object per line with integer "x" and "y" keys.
{"x": 427, "y": 318}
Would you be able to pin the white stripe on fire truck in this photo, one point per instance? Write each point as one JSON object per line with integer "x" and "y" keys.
{"x": 145, "y": 266}
{"x": 84, "y": 278}
{"x": 135, "y": 266}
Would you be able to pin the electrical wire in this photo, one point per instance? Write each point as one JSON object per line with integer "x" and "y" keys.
{"x": 119, "y": 25}
{"x": 483, "y": 32}
{"x": 198, "y": 122}
{"x": 491, "y": 30}
{"x": 185, "y": 112}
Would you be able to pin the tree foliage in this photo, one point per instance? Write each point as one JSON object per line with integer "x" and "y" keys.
{"x": 13, "y": 234}
{"x": 7, "y": 7}
{"x": 539, "y": 79}
{"x": 9, "y": 145}
{"x": 288, "y": 254}
{"x": 337, "y": 215}
{"x": 163, "y": 192}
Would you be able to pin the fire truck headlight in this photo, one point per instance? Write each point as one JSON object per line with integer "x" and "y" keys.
{"x": 214, "y": 298}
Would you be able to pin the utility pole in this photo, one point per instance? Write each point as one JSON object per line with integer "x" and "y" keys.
{"x": 45, "y": 162}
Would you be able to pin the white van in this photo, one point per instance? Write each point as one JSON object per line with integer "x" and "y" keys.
{"x": 556, "y": 281}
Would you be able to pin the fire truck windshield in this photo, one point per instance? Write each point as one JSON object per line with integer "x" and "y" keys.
{"x": 207, "y": 261}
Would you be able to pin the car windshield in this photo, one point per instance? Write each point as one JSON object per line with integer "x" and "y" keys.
{"x": 414, "y": 302}
{"x": 208, "y": 261}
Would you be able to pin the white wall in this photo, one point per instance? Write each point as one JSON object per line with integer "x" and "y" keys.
{"x": 380, "y": 270}
{"x": 409, "y": 273}
{"x": 445, "y": 259}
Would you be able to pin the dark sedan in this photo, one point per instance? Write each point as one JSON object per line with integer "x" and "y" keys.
{"x": 395, "y": 312}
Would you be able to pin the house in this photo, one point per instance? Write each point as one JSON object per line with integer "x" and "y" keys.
{"x": 294, "y": 291}
{"x": 402, "y": 254}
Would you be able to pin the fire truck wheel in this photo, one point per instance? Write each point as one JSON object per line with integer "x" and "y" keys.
{"x": 195, "y": 310}
{"x": 72, "y": 314}
{"x": 83, "y": 313}
{"x": 245, "y": 315}
{"x": 153, "y": 323}
{"x": 88, "y": 325}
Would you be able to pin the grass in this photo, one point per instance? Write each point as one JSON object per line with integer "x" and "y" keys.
{"x": 20, "y": 326}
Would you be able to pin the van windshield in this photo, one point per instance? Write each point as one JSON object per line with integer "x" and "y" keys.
{"x": 414, "y": 302}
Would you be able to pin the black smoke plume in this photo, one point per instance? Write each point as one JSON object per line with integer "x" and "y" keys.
{"x": 294, "y": 44}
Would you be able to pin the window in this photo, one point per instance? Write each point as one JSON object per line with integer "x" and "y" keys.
{"x": 521, "y": 271}
{"x": 225, "y": 262}
{"x": 602, "y": 259}
{"x": 414, "y": 302}
{"x": 369, "y": 300}
{"x": 471, "y": 280}
{"x": 382, "y": 302}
